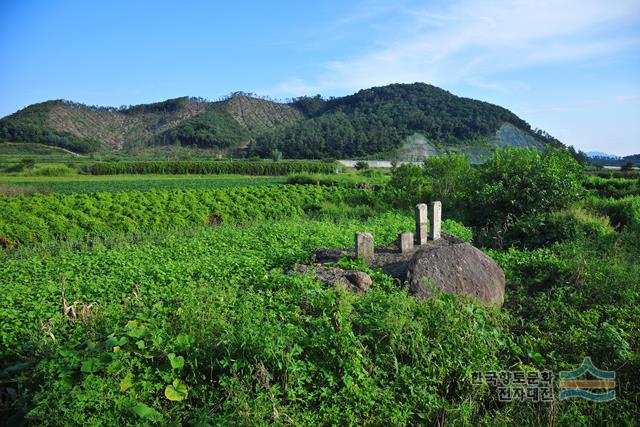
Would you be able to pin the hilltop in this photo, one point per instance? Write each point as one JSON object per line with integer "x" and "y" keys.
{"x": 398, "y": 121}
{"x": 81, "y": 128}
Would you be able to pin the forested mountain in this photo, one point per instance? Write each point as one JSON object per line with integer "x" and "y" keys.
{"x": 385, "y": 122}
{"x": 378, "y": 120}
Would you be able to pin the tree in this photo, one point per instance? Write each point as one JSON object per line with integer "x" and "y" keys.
{"x": 361, "y": 165}
{"x": 406, "y": 187}
{"x": 276, "y": 155}
{"x": 628, "y": 166}
{"x": 516, "y": 182}
{"x": 449, "y": 175}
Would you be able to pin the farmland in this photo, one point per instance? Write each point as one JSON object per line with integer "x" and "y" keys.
{"x": 119, "y": 183}
{"x": 185, "y": 312}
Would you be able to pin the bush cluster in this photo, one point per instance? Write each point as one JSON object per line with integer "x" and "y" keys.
{"x": 240, "y": 167}
{"x": 514, "y": 185}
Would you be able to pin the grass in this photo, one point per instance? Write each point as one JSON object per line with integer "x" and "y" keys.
{"x": 354, "y": 179}
{"x": 195, "y": 331}
{"x": 202, "y": 325}
{"x": 218, "y": 333}
{"x": 118, "y": 183}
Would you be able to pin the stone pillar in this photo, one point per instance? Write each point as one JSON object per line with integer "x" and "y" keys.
{"x": 406, "y": 242}
{"x": 435, "y": 220}
{"x": 421, "y": 224}
{"x": 364, "y": 246}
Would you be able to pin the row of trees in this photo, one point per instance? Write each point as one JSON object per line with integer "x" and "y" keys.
{"x": 239, "y": 167}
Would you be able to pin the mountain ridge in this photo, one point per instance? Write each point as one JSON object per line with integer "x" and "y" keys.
{"x": 378, "y": 121}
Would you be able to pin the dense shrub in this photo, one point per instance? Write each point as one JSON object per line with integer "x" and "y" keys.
{"x": 248, "y": 167}
{"x": 612, "y": 187}
{"x": 512, "y": 184}
{"x": 567, "y": 225}
{"x": 53, "y": 170}
{"x": 518, "y": 182}
{"x": 407, "y": 187}
{"x": 624, "y": 212}
{"x": 361, "y": 165}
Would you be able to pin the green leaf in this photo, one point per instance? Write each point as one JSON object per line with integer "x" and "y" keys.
{"x": 127, "y": 382}
{"x": 184, "y": 341}
{"x": 177, "y": 362}
{"x": 137, "y": 332}
{"x": 144, "y": 411}
{"x": 91, "y": 365}
{"x": 135, "y": 329}
{"x": 536, "y": 357}
{"x": 177, "y": 391}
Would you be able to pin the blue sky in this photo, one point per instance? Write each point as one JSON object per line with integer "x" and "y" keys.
{"x": 570, "y": 67}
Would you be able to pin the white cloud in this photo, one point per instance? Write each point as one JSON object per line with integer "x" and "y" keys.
{"x": 473, "y": 39}
{"x": 627, "y": 98}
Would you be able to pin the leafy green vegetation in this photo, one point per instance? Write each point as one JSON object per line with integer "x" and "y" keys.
{"x": 42, "y": 218}
{"x": 153, "y": 316}
{"x": 615, "y": 188}
{"x": 495, "y": 199}
{"x": 247, "y": 167}
{"x": 171, "y": 342}
{"x": 118, "y": 183}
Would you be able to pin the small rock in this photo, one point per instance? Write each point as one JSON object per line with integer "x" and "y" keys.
{"x": 349, "y": 280}
{"x": 359, "y": 279}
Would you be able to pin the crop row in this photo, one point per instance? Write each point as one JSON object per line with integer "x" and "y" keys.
{"x": 117, "y": 183}
{"x": 43, "y": 218}
{"x": 240, "y": 167}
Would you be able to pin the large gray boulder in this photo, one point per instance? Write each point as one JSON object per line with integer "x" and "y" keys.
{"x": 457, "y": 268}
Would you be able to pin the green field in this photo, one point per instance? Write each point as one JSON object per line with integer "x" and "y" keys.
{"x": 185, "y": 313}
{"x": 117, "y": 183}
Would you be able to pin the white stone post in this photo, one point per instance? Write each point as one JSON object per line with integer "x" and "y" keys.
{"x": 406, "y": 242}
{"x": 435, "y": 220}
{"x": 421, "y": 224}
{"x": 364, "y": 246}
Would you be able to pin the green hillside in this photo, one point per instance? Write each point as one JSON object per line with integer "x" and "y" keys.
{"x": 398, "y": 121}
{"x": 403, "y": 122}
